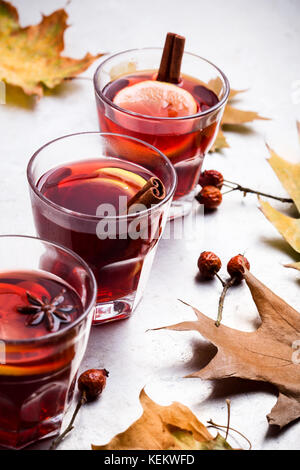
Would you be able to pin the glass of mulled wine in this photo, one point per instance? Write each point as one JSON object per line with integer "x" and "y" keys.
{"x": 180, "y": 120}
{"x": 47, "y": 298}
{"x": 80, "y": 188}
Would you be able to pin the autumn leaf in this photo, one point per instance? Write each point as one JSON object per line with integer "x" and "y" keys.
{"x": 289, "y": 175}
{"x": 220, "y": 142}
{"x": 30, "y": 57}
{"x": 232, "y": 116}
{"x": 293, "y": 265}
{"x": 172, "y": 427}
{"x": 268, "y": 354}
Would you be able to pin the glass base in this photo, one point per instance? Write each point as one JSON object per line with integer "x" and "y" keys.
{"x": 23, "y": 438}
{"x": 112, "y": 311}
{"x": 182, "y": 206}
{"x": 122, "y": 308}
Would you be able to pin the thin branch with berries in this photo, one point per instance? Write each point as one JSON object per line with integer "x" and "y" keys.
{"x": 237, "y": 187}
{"x": 91, "y": 384}
{"x": 209, "y": 265}
{"x": 212, "y": 181}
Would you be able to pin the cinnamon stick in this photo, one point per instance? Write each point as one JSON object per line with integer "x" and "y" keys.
{"x": 151, "y": 193}
{"x": 170, "y": 65}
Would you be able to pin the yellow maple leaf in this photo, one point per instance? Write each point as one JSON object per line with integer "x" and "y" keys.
{"x": 289, "y": 175}
{"x": 232, "y": 116}
{"x": 172, "y": 427}
{"x": 30, "y": 57}
{"x": 220, "y": 142}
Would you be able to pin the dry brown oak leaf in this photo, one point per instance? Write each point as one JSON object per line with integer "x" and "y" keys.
{"x": 268, "y": 354}
{"x": 30, "y": 57}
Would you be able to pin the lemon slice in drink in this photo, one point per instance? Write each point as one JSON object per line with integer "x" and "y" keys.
{"x": 154, "y": 98}
{"x": 124, "y": 178}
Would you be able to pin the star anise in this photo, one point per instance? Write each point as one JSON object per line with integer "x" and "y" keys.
{"x": 52, "y": 311}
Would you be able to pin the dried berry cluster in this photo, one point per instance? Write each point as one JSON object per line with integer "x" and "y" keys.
{"x": 212, "y": 182}
{"x": 209, "y": 264}
{"x": 210, "y": 195}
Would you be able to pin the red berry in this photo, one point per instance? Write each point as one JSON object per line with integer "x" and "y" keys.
{"x": 211, "y": 178}
{"x": 209, "y": 264}
{"x": 92, "y": 382}
{"x": 236, "y": 267}
{"x": 210, "y": 197}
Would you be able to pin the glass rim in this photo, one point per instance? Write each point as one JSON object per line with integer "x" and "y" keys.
{"x": 96, "y": 217}
{"x": 87, "y": 309}
{"x": 217, "y": 106}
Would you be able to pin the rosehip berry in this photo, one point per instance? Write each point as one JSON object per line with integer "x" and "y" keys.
{"x": 92, "y": 382}
{"x": 210, "y": 197}
{"x": 235, "y": 267}
{"x": 209, "y": 264}
{"x": 211, "y": 178}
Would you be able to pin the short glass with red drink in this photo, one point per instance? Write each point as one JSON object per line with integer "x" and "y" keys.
{"x": 80, "y": 185}
{"x": 185, "y": 140}
{"x": 47, "y": 298}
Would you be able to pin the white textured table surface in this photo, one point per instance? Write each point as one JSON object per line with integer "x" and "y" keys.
{"x": 256, "y": 43}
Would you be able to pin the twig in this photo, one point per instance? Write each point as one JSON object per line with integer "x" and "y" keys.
{"x": 226, "y": 285}
{"x": 238, "y": 187}
{"x": 217, "y": 426}
{"x": 228, "y": 418}
{"x": 220, "y": 279}
{"x": 228, "y": 403}
{"x": 70, "y": 426}
{"x": 230, "y": 190}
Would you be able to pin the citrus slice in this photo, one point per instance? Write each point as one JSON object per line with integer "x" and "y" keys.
{"x": 126, "y": 177}
{"x": 154, "y": 98}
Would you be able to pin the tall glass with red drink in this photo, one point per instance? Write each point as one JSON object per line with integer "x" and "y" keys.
{"x": 181, "y": 120}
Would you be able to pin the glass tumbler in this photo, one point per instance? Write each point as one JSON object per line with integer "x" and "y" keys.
{"x": 184, "y": 140}
{"x": 38, "y": 373}
{"x": 118, "y": 248}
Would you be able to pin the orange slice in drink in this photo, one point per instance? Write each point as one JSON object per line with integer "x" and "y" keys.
{"x": 125, "y": 179}
{"x": 126, "y": 176}
{"x": 154, "y": 98}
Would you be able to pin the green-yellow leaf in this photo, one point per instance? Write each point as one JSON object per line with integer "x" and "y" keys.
{"x": 9, "y": 18}
{"x": 186, "y": 441}
{"x": 289, "y": 227}
{"x": 30, "y": 57}
{"x": 289, "y": 175}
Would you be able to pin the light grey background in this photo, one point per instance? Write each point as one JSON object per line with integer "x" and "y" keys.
{"x": 256, "y": 43}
